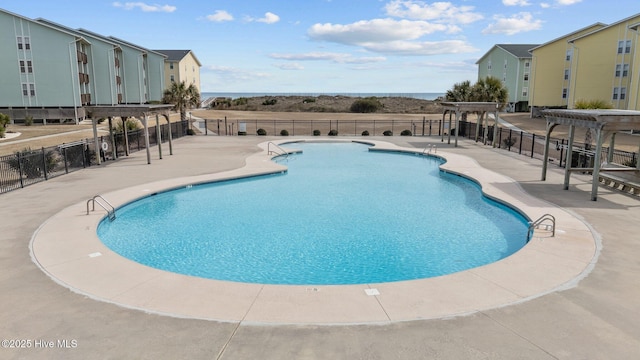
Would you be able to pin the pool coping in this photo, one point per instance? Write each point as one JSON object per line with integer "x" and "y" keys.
{"x": 67, "y": 249}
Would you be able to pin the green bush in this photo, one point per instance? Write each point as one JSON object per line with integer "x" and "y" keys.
{"x": 284, "y": 132}
{"x": 308, "y": 100}
{"x": 240, "y": 101}
{"x": 131, "y": 124}
{"x": 270, "y": 102}
{"x": 365, "y": 133}
{"x": 509, "y": 142}
{"x": 242, "y": 133}
{"x": 28, "y": 120}
{"x": 387, "y": 133}
{"x": 333, "y": 132}
{"x": 4, "y": 120}
{"x": 261, "y": 132}
{"x": 316, "y": 132}
{"x": 190, "y": 132}
{"x": 406, "y": 133}
{"x": 366, "y": 105}
{"x": 592, "y": 104}
{"x": 32, "y": 164}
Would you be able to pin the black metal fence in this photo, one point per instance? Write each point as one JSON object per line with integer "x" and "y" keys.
{"x": 30, "y": 166}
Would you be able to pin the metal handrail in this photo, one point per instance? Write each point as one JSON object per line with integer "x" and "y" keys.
{"x": 270, "y": 152}
{"x": 96, "y": 199}
{"x": 431, "y": 147}
{"x": 541, "y": 219}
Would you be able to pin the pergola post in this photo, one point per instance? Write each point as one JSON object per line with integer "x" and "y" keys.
{"x": 113, "y": 140}
{"x": 96, "y": 143}
{"x": 457, "y": 127}
{"x": 596, "y": 165}
{"x": 478, "y": 125}
{"x": 545, "y": 157}
{"x": 170, "y": 135}
{"x": 495, "y": 128}
{"x": 146, "y": 137}
{"x": 569, "y": 157}
{"x": 612, "y": 144}
{"x": 126, "y": 135}
{"x": 159, "y": 136}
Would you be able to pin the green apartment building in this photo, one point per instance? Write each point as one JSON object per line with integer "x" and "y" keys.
{"x": 52, "y": 73}
{"x": 510, "y": 63}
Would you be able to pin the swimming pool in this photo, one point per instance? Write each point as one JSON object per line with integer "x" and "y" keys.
{"x": 340, "y": 215}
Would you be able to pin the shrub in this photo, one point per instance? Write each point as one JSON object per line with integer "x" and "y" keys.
{"x": 365, "y": 133}
{"x": 261, "y": 132}
{"x": 509, "y": 142}
{"x": 270, "y": 102}
{"x": 406, "y": 133}
{"x": 366, "y": 105}
{"x": 240, "y": 101}
{"x": 28, "y": 120}
{"x": 190, "y": 132}
{"x": 592, "y": 104}
{"x": 4, "y": 120}
{"x": 316, "y": 132}
{"x": 333, "y": 132}
{"x": 387, "y": 133}
{"x": 308, "y": 100}
{"x": 32, "y": 164}
{"x": 630, "y": 163}
{"x": 131, "y": 124}
{"x": 242, "y": 133}
{"x": 284, "y": 132}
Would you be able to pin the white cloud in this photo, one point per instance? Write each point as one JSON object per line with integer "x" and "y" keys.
{"x": 440, "y": 12}
{"x": 220, "y": 16}
{"x": 517, "y": 23}
{"x": 515, "y": 3}
{"x": 421, "y": 48}
{"x": 227, "y": 73}
{"x": 145, "y": 7}
{"x": 289, "y": 66}
{"x": 269, "y": 18}
{"x": 567, "y": 2}
{"x": 376, "y": 30}
{"x": 340, "y": 58}
{"x": 545, "y": 5}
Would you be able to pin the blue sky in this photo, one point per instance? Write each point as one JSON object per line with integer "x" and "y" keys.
{"x": 385, "y": 46}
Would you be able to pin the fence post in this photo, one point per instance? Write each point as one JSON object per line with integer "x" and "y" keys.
{"x": 510, "y": 132}
{"x": 424, "y": 120}
{"x": 20, "y": 169}
{"x": 64, "y": 157}
{"x": 520, "y": 147}
{"x": 562, "y": 152}
{"x": 44, "y": 164}
{"x": 533, "y": 144}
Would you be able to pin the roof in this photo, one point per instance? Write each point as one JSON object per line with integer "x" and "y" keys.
{"x": 520, "y": 51}
{"x": 607, "y": 27}
{"x": 598, "y": 24}
{"x": 177, "y": 55}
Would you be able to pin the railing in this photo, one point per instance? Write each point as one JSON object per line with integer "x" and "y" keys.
{"x": 282, "y": 152}
{"x": 429, "y": 148}
{"x": 111, "y": 211}
{"x": 536, "y": 224}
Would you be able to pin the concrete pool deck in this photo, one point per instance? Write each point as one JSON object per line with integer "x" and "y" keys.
{"x": 596, "y": 317}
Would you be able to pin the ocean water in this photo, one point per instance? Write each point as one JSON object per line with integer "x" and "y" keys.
{"x": 340, "y": 215}
{"x": 235, "y": 95}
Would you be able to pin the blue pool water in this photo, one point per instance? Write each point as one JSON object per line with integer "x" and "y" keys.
{"x": 340, "y": 215}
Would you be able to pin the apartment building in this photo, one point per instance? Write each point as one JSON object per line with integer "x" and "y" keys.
{"x": 512, "y": 64}
{"x": 181, "y": 66}
{"x": 55, "y": 72}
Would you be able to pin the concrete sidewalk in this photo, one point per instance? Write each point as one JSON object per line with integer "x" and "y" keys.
{"x": 599, "y": 318}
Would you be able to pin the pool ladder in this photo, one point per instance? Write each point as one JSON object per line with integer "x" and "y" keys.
{"x": 536, "y": 224}
{"x": 429, "y": 148}
{"x": 111, "y": 211}
{"x": 280, "y": 152}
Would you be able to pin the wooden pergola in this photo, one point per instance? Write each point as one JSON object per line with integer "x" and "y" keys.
{"x": 605, "y": 123}
{"x": 124, "y": 112}
{"x": 459, "y": 108}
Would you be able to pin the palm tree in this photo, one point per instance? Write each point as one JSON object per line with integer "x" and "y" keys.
{"x": 461, "y": 92}
{"x": 490, "y": 89}
{"x": 183, "y": 97}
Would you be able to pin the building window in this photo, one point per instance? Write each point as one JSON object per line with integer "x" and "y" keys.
{"x": 27, "y": 44}
{"x": 489, "y": 65}
{"x": 173, "y": 79}
{"x": 566, "y": 74}
{"x": 618, "y": 70}
{"x": 526, "y": 77}
{"x": 22, "y": 68}
{"x": 569, "y": 53}
{"x": 615, "y": 93}
{"x": 20, "y": 46}
{"x": 171, "y": 65}
{"x": 625, "y": 70}
{"x": 525, "y": 92}
{"x": 623, "y": 93}
{"x": 28, "y": 89}
{"x": 564, "y": 93}
{"x": 526, "y": 64}
{"x": 624, "y": 44}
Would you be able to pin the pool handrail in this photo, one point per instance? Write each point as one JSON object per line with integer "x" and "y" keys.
{"x": 534, "y": 224}
{"x": 96, "y": 199}
{"x": 270, "y": 152}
